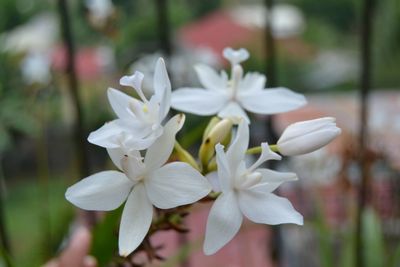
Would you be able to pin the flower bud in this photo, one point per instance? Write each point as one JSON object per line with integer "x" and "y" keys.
{"x": 307, "y": 136}
{"x": 185, "y": 156}
{"x": 220, "y": 133}
{"x": 210, "y": 126}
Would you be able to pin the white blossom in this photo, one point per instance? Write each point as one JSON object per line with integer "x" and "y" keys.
{"x": 142, "y": 183}
{"x": 139, "y": 122}
{"x": 229, "y": 97}
{"x": 246, "y": 191}
{"x": 307, "y": 136}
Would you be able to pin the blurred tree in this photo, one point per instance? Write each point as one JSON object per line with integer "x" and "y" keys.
{"x": 387, "y": 44}
{"x": 339, "y": 13}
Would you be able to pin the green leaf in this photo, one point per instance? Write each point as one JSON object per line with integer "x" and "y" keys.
{"x": 105, "y": 237}
{"x": 374, "y": 252}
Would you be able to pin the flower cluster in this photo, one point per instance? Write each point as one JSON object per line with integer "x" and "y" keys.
{"x": 140, "y": 144}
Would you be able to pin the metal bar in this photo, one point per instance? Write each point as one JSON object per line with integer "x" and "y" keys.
{"x": 164, "y": 27}
{"x": 79, "y": 139}
{"x": 270, "y": 47}
{"x": 270, "y": 55}
{"x": 4, "y": 237}
{"x": 365, "y": 87}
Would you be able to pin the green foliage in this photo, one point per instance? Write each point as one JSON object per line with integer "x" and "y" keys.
{"x": 386, "y": 44}
{"x": 105, "y": 237}
{"x": 24, "y": 209}
{"x": 341, "y": 14}
{"x": 137, "y": 27}
{"x": 323, "y": 34}
{"x": 325, "y": 240}
{"x": 15, "y": 116}
{"x": 14, "y": 13}
{"x": 376, "y": 252}
{"x": 201, "y": 8}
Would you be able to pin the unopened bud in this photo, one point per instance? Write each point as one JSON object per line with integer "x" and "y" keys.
{"x": 218, "y": 134}
{"x": 185, "y": 156}
{"x": 307, "y": 136}
{"x": 210, "y": 126}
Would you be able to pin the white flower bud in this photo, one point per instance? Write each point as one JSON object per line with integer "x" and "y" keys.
{"x": 307, "y": 136}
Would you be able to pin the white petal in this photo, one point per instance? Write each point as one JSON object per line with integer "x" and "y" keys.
{"x": 112, "y": 133}
{"x": 133, "y": 167}
{"x": 134, "y": 80}
{"x": 210, "y": 79}
{"x": 198, "y": 101}
{"x": 223, "y": 223}
{"x": 272, "y": 180}
{"x": 117, "y": 154}
{"x": 252, "y": 81}
{"x": 309, "y": 142}
{"x": 162, "y": 87}
{"x": 175, "y": 184}
{"x": 105, "y": 190}
{"x": 236, "y": 56}
{"x": 119, "y": 102}
{"x": 274, "y": 176}
{"x": 304, "y": 127}
{"x": 158, "y": 153}
{"x": 237, "y": 150}
{"x": 135, "y": 221}
{"x": 271, "y": 101}
{"x": 266, "y": 154}
{"x": 224, "y": 171}
{"x": 262, "y": 207}
{"x": 143, "y": 143}
{"x": 213, "y": 179}
{"x": 106, "y": 135}
{"x": 234, "y": 110}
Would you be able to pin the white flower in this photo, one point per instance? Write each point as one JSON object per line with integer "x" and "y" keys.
{"x": 35, "y": 68}
{"x": 100, "y": 9}
{"x": 139, "y": 122}
{"x": 246, "y": 191}
{"x": 143, "y": 183}
{"x": 228, "y": 98}
{"x": 307, "y": 136}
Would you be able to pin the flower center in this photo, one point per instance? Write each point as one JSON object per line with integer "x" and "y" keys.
{"x": 248, "y": 180}
{"x": 236, "y": 77}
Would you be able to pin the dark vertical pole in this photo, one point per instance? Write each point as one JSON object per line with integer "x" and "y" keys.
{"x": 79, "y": 137}
{"x": 81, "y": 152}
{"x": 365, "y": 83}
{"x": 276, "y": 239}
{"x": 4, "y": 238}
{"x": 164, "y": 33}
{"x": 270, "y": 65}
{"x": 270, "y": 47}
{"x": 164, "y": 27}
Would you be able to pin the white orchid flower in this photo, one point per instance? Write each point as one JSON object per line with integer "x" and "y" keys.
{"x": 139, "y": 121}
{"x": 246, "y": 191}
{"x": 142, "y": 183}
{"x": 307, "y": 136}
{"x": 229, "y": 98}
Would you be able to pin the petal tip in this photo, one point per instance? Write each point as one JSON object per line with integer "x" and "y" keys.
{"x": 208, "y": 251}
{"x": 124, "y": 253}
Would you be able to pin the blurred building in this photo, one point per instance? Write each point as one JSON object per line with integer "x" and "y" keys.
{"x": 243, "y": 26}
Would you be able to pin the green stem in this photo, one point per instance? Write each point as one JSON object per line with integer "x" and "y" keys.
{"x": 258, "y": 149}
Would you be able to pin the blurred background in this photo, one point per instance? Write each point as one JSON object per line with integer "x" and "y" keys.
{"x": 57, "y": 60}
